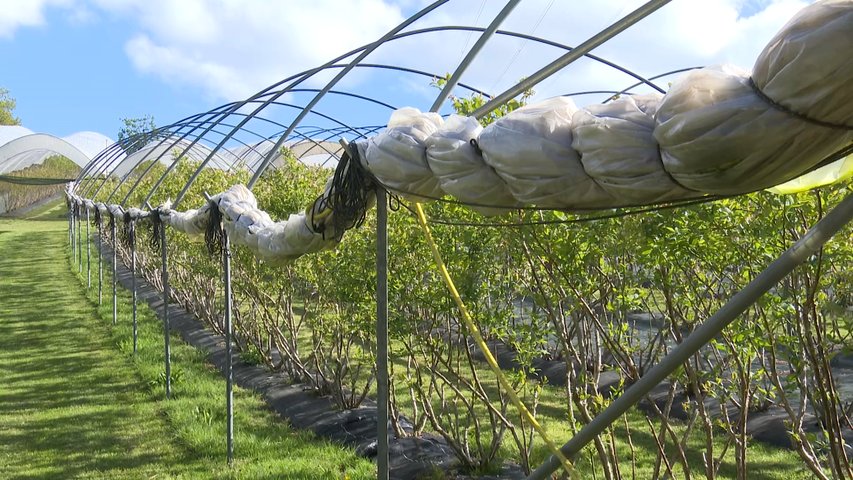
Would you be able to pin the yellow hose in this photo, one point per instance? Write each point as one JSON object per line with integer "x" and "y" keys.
{"x": 475, "y": 332}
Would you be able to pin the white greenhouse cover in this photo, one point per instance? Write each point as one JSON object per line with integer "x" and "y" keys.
{"x": 20, "y": 147}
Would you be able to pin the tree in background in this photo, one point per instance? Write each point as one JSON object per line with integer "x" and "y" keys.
{"x": 136, "y": 133}
{"x": 7, "y": 105}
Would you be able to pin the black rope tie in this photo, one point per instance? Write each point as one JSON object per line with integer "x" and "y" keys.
{"x": 473, "y": 142}
{"x": 348, "y": 196}
{"x": 793, "y": 113}
{"x": 213, "y": 232}
{"x": 112, "y": 223}
{"x": 127, "y": 231}
{"x": 395, "y": 203}
{"x": 156, "y": 229}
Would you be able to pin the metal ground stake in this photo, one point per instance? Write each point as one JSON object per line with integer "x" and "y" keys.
{"x": 115, "y": 275}
{"x": 229, "y": 377}
{"x": 164, "y": 277}
{"x": 381, "y": 334}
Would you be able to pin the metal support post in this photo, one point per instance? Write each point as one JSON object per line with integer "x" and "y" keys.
{"x": 382, "y": 334}
{"x": 164, "y": 277}
{"x": 100, "y": 260}
{"x": 115, "y": 274}
{"x": 79, "y": 246}
{"x": 229, "y": 378}
{"x": 133, "y": 280}
{"x": 88, "y": 253}
{"x": 73, "y": 215}
{"x": 71, "y": 225}
{"x": 806, "y": 246}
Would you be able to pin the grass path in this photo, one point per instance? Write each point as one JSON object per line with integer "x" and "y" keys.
{"x": 73, "y": 404}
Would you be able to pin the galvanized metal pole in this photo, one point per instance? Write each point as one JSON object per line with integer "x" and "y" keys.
{"x": 475, "y": 50}
{"x": 229, "y": 378}
{"x": 164, "y": 277}
{"x": 382, "y": 386}
{"x": 645, "y": 10}
{"x": 806, "y": 246}
{"x": 88, "y": 254}
{"x": 79, "y": 247}
{"x": 100, "y": 259}
{"x": 71, "y": 237}
{"x": 133, "y": 279}
{"x": 71, "y": 225}
{"x": 115, "y": 274}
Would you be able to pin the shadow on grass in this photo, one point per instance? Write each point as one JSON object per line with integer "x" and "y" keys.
{"x": 66, "y": 407}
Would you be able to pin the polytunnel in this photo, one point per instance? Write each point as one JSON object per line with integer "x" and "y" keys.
{"x": 33, "y": 166}
{"x": 641, "y": 141}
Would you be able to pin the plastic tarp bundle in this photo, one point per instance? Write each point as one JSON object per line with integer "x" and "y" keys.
{"x": 115, "y": 210}
{"x": 398, "y": 153}
{"x": 193, "y": 222}
{"x": 460, "y": 171}
{"x": 717, "y": 131}
{"x": 245, "y": 224}
{"x": 619, "y": 152}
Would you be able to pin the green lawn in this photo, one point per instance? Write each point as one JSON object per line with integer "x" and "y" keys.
{"x": 75, "y": 403}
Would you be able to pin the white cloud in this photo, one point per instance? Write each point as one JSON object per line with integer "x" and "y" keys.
{"x": 15, "y": 14}
{"x": 233, "y": 48}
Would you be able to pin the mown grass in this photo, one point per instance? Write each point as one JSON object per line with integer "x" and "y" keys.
{"x": 76, "y": 403}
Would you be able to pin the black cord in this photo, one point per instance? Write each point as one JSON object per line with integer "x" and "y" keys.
{"x": 795, "y": 114}
{"x": 348, "y": 196}
{"x": 156, "y": 229}
{"x": 213, "y": 232}
{"x": 618, "y": 214}
{"x": 127, "y": 231}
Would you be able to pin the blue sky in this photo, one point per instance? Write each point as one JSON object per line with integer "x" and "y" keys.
{"x": 75, "y": 65}
{"x": 71, "y": 74}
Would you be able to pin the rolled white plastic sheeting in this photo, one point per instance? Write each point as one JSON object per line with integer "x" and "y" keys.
{"x": 717, "y": 131}
{"x": 245, "y": 224}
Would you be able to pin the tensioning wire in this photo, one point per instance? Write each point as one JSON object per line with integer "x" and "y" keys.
{"x": 568, "y": 221}
{"x": 475, "y": 332}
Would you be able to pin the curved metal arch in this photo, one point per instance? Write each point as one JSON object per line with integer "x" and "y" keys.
{"x": 555, "y": 66}
{"x": 301, "y": 77}
{"x": 86, "y": 170}
{"x": 99, "y": 164}
{"x": 178, "y": 126}
{"x": 238, "y": 128}
{"x": 524, "y": 36}
{"x": 543, "y": 41}
{"x": 147, "y": 154}
{"x": 230, "y": 166}
{"x": 342, "y": 128}
{"x": 117, "y": 159}
{"x": 184, "y": 124}
{"x": 364, "y": 53}
{"x": 346, "y": 94}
